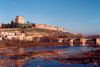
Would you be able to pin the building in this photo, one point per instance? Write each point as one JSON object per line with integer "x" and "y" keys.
{"x": 14, "y": 24}
{"x": 45, "y": 26}
{"x": 20, "y": 20}
{"x": 21, "y": 23}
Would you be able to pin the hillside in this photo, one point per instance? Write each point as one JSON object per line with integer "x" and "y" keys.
{"x": 38, "y": 32}
{"x": 30, "y": 31}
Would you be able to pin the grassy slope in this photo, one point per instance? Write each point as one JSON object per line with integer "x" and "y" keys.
{"x": 31, "y": 30}
{"x": 38, "y": 31}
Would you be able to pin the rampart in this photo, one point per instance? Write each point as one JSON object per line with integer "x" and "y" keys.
{"x": 45, "y": 26}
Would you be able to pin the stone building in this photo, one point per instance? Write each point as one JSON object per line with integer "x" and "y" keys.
{"x": 20, "y": 20}
{"x": 45, "y": 26}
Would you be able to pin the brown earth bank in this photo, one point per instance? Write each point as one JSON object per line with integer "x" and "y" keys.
{"x": 27, "y": 44}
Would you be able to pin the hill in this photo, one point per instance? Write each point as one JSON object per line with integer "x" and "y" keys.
{"x": 30, "y": 31}
{"x": 38, "y": 32}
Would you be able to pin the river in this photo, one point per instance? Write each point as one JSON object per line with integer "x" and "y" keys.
{"x": 51, "y": 56}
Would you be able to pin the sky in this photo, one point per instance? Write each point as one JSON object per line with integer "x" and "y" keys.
{"x": 78, "y": 16}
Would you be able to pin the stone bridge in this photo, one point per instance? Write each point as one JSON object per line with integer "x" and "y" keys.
{"x": 80, "y": 41}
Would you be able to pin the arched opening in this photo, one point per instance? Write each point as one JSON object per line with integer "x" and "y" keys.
{"x": 76, "y": 42}
{"x": 67, "y": 41}
{"x": 91, "y": 42}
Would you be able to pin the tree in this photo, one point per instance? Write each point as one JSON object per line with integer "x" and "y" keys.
{"x": 33, "y": 24}
{"x": 12, "y": 24}
{"x": 28, "y": 22}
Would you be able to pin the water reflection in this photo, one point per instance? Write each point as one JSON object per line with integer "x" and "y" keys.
{"x": 59, "y": 56}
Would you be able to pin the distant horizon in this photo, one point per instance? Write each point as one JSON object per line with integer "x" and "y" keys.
{"x": 77, "y": 16}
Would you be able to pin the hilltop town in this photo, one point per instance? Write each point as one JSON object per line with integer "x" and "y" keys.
{"x": 21, "y": 31}
{"x": 20, "y": 22}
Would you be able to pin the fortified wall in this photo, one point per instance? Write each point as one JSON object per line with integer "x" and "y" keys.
{"x": 21, "y": 20}
{"x": 45, "y": 26}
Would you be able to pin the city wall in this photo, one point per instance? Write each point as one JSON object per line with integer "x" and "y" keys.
{"x": 45, "y": 26}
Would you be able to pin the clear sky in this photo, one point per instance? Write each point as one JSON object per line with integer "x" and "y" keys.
{"x": 73, "y": 15}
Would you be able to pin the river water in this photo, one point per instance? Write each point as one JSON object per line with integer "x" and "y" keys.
{"x": 45, "y": 57}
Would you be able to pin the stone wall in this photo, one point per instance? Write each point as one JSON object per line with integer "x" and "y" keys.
{"x": 45, "y": 26}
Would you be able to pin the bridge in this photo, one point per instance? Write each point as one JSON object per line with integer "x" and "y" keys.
{"x": 81, "y": 41}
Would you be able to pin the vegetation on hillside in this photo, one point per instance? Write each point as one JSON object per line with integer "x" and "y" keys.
{"x": 65, "y": 35}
